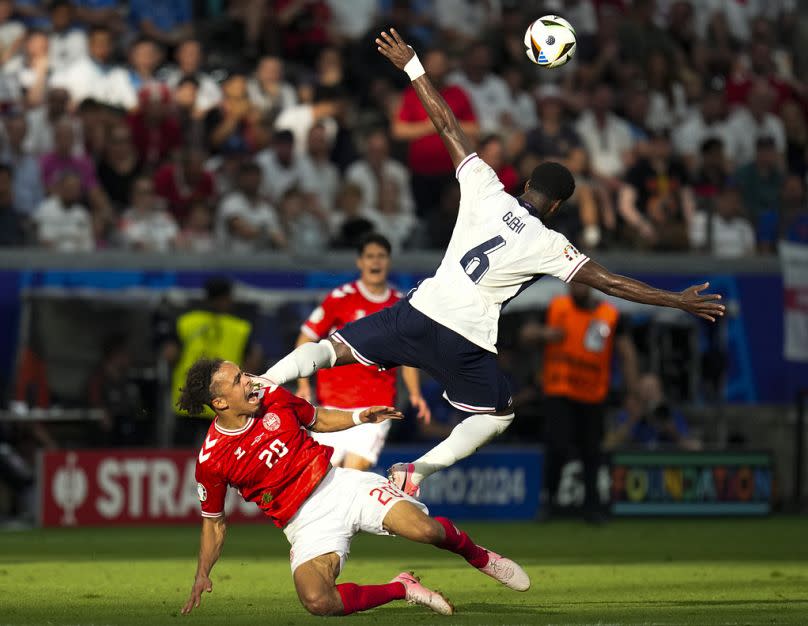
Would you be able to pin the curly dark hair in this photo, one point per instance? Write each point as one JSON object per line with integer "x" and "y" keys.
{"x": 196, "y": 393}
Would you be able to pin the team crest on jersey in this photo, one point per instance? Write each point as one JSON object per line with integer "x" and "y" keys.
{"x": 570, "y": 252}
{"x": 271, "y": 421}
{"x": 201, "y": 492}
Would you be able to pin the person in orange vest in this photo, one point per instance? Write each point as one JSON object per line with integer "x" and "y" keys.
{"x": 580, "y": 335}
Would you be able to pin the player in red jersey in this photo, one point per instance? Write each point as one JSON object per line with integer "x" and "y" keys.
{"x": 259, "y": 443}
{"x": 357, "y": 386}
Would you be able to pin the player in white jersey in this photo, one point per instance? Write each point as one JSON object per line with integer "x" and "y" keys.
{"x": 448, "y": 324}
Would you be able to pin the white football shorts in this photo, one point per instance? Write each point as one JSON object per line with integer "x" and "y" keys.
{"x": 345, "y": 502}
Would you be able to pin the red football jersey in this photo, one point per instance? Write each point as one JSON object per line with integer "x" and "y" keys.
{"x": 427, "y": 155}
{"x": 272, "y": 461}
{"x": 351, "y": 386}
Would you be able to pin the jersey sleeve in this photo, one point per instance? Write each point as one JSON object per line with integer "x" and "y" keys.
{"x": 305, "y": 412}
{"x": 558, "y": 257}
{"x": 321, "y": 319}
{"x": 211, "y": 489}
{"x": 477, "y": 179}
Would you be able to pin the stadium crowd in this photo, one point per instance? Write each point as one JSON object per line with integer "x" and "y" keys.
{"x": 250, "y": 125}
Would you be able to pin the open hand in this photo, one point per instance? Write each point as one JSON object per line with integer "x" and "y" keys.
{"x": 376, "y": 414}
{"x": 201, "y": 583}
{"x": 394, "y": 48}
{"x": 704, "y": 306}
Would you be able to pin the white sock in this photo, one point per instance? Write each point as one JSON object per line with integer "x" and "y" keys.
{"x": 465, "y": 439}
{"x": 302, "y": 362}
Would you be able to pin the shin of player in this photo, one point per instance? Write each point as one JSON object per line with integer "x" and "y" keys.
{"x": 315, "y": 580}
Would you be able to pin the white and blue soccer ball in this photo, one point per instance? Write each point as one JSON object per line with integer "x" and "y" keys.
{"x": 550, "y": 41}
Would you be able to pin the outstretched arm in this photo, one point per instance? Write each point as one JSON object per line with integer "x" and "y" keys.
{"x": 210, "y": 547}
{"x": 690, "y": 300}
{"x": 443, "y": 119}
{"x": 333, "y": 420}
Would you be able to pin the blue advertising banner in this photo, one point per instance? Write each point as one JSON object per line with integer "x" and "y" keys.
{"x": 691, "y": 483}
{"x": 758, "y": 372}
{"x": 494, "y": 483}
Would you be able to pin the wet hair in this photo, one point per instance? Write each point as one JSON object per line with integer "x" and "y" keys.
{"x": 197, "y": 394}
{"x": 552, "y": 180}
{"x": 370, "y": 238}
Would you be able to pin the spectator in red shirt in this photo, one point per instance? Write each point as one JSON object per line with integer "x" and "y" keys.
{"x": 428, "y": 159}
{"x": 155, "y": 131}
{"x": 183, "y": 182}
{"x": 492, "y": 151}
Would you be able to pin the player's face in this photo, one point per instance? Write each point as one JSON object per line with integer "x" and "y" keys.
{"x": 373, "y": 264}
{"x": 235, "y": 390}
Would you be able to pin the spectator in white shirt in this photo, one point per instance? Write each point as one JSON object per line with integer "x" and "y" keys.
{"x": 12, "y": 32}
{"x": 197, "y": 235}
{"x": 300, "y": 118}
{"x": 95, "y": 77}
{"x": 246, "y": 222}
{"x": 708, "y": 121}
{"x": 68, "y": 43}
{"x": 145, "y": 57}
{"x": 747, "y": 124}
{"x": 607, "y": 138}
{"x": 28, "y": 73}
{"x": 523, "y": 104}
{"x": 306, "y": 226}
{"x": 280, "y": 167}
{"x": 146, "y": 225}
{"x": 62, "y": 222}
{"x": 390, "y": 220}
{"x": 725, "y": 233}
{"x": 27, "y": 187}
{"x": 463, "y": 21}
{"x": 319, "y": 176}
{"x": 190, "y": 58}
{"x": 350, "y": 19}
{"x": 489, "y": 94}
{"x": 268, "y": 90}
{"x": 376, "y": 167}
{"x": 42, "y": 120}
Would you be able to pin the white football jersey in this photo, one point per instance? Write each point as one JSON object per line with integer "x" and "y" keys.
{"x": 498, "y": 248}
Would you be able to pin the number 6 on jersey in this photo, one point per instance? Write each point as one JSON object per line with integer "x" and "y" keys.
{"x": 476, "y": 262}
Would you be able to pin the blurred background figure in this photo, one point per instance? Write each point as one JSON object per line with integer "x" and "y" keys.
{"x": 214, "y": 330}
{"x": 580, "y": 336}
{"x": 649, "y": 421}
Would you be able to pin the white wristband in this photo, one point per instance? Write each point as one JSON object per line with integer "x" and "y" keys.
{"x": 357, "y": 419}
{"x": 414, "y": 68}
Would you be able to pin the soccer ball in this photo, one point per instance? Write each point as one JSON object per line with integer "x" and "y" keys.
{"x": 550, "y": 41}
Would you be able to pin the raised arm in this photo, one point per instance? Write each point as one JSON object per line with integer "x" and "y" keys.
{"x": 210, "y": 547}
{"x": 443, "y": 119}
{"x": 690, "y": 300}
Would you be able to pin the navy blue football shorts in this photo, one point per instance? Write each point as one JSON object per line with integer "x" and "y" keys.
{"x": 402, "y": 335}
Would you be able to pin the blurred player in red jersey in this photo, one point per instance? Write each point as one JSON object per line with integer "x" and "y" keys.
{"x": 359, "y": 385}
{"x": 259, "y": 444}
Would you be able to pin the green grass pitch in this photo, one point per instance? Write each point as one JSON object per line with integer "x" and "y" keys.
{"x": 716, "y": 571}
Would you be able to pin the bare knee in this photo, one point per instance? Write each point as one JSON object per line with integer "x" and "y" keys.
{"x": 317, "y": 602}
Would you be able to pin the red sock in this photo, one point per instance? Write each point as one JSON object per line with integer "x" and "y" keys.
{"x": 460, "y": 543}
{"x": 363, "y": 597}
